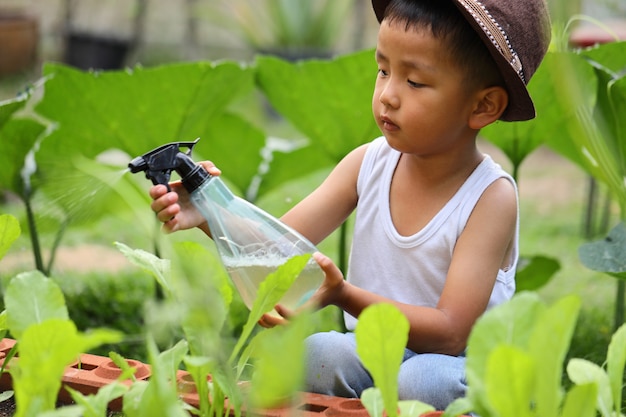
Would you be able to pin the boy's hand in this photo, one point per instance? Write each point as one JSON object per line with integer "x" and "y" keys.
{"x": 330, "y": 292}
{"x": 174, "y": 208}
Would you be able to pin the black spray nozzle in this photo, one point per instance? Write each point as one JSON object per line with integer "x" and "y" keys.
{"x": 159, "y": 163}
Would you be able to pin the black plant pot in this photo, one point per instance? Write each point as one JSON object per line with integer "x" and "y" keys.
{"x": 88, "y": 51}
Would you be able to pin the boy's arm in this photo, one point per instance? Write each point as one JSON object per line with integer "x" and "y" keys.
{"x": 482, "y": 249}
{"x": 328, "y": 206}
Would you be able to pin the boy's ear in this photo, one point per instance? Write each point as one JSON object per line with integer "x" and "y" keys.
{"x": 490, "y": 104}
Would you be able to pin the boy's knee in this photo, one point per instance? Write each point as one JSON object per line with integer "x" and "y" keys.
{"x": 435, "y": 382}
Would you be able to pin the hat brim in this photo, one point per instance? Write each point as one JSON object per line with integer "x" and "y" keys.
{"x": 520, "y": 106}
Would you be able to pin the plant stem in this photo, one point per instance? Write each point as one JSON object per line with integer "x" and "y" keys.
{"x": 343, "y": 237}
{"x": 619, "y": 303}
{"x": 34, "y": 236}
{"x": 56, "y": 244}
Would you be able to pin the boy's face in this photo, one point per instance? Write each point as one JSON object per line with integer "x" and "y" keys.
{"x": 421, "y": 100}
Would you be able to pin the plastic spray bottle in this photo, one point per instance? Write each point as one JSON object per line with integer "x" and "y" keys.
{"x": 251, "y": 243}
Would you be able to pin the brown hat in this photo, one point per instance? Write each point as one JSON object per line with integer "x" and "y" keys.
{"x": 517, "y": 34}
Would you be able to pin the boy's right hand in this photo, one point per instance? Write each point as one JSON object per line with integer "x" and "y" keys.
{"x": 174, "y": 208}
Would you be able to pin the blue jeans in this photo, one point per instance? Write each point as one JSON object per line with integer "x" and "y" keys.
{"x": 334, "y": 368}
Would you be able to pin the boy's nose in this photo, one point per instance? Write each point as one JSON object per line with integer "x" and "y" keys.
{"x": 388, "y": 96}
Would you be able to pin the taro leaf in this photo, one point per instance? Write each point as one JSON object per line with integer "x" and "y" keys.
{"x": 582, "y": 371}
{"x": 159, "y": 268}
{"x": 18, "y": 136}
{"x": 32, "y": 298}
{"x": 549, "y": 343}
{"x": 535, "y": 272}
{"x": 580, "y": 401}
{"x": 519, "y": 139}
{"x": 611, "y": 56}
{"x": 615, "y": 362}
{"x": 9, "y": 232}
{"x": 271, "y": 290}
{"x": 275, "y": 351}
{"x": 46, "y": 348}
{"x": 595, "y": 138}
{"x": 607, "y": 255}
{"x": 381, "y": 337}
{"x": 137, "y": 110}
{"x": 509, "y": 380}
{"x": 327, "y": 101}
{"x": 574, "y": 92}
{"x": 9, "y": 107}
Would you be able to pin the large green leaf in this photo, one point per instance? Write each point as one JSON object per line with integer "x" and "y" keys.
{"x": 18, "y": 136}
{"x": 135, "y": 111}
{"x": 32, "y": 298}
{"x": 9, "y": 231}
{"x": 328, "y": 101}
{"x": 607, "y": 255}
{"x": 519, "y": 139}
{"x": 611, "y": 56}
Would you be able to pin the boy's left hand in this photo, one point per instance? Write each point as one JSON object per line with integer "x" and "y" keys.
{"x": 328, "y": 293}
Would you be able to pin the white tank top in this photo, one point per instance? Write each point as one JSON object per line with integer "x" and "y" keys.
{"x": 413, "y": 269}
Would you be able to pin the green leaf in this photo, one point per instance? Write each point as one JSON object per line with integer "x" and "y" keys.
{"x": 582, "y": 371}
{"x": 381, "y": 334}
{"x": 554, "y": 328}
{"x": 606, "y": 255}
{"x": 372, "y": 400}
{"x": 275, "y": 351}
{"x": 414, "y": 408}
{"x": 9, "y": 232}
{"x": 18, "y": 137}
{"x": 159, "y": 268}
{"x": 518, "y": 140}
{"x": 157, "y": 397}
{"x": 615, "y": 362}
{"x": 510, "y": 323}
{"x": 96, "y": 405}
{"x": 271, "y": 290}
{"x": 136, "y": 110}
{"x": 509, "y": 380}
{"x": 46, "y": 348}
{"x": 328, "y": 101}
{"x": 534, "y": 272}
{"x": 580, "y": 401}
{"x": 30, "y": 299}
{"x": 610, "y": 56}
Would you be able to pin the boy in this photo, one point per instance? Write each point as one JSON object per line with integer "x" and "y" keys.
{"x": 436, "y": 231}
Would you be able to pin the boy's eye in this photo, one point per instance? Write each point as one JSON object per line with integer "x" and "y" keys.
{"x": 382, "y": 72}
{"x": 414, "y": 84}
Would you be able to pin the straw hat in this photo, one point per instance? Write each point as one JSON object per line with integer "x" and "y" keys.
{"x": 517, "y": 34}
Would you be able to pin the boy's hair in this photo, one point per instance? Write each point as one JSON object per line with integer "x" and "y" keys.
{"x": 443, "y": 19}
{"x": 516, "y": 33}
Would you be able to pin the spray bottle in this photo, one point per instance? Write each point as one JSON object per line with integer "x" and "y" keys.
{"x": 251, "y": 243}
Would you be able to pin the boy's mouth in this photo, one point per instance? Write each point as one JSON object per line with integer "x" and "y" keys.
{"x": 387, "y": 123}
